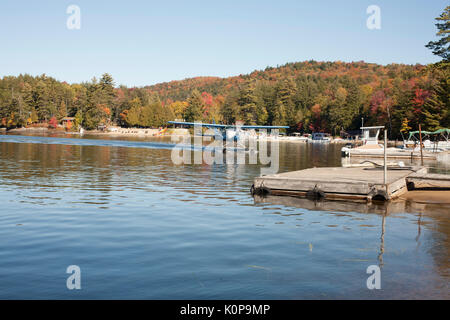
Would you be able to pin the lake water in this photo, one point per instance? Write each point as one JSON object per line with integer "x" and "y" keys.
{"x": 140, "y": 227}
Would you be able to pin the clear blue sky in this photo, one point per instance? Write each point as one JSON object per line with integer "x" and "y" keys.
{"x": 145, "y": 42}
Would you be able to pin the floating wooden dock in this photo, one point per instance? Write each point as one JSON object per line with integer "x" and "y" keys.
{"x": 348, "y": 183}
{"x": 428, "y": 181}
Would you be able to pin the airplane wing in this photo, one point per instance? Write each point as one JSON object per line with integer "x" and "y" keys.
{"x": 224, "y": 126}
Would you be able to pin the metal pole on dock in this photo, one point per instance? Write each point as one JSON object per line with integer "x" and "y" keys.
{"x": 385, "y": 156}
{"x": 421, "y": 152}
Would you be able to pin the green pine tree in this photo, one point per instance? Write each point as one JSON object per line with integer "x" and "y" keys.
{"x": 441, "y": 47}
{"x": 194, "y": 110}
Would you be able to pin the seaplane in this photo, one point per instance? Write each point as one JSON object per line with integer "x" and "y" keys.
{"x": 229, "y": 132}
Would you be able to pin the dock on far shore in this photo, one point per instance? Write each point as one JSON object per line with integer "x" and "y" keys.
{"x": 349, "y": 183}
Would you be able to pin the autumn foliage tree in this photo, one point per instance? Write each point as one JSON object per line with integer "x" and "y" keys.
{"x": 53, "y": 123}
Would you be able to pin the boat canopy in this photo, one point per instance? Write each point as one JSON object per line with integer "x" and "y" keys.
{"x": 445, "y": 132}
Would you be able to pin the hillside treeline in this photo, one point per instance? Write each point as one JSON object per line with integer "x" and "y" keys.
{"x": 307, "y": 96}
{"x": 320, "y": 96}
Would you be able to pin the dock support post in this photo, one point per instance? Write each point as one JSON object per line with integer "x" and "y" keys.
{"x": 385, "y": 157}
{"x": 420, "y": 137}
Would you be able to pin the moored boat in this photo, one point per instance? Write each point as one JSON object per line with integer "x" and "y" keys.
{"x": 371, "y": 148}
{"x": 436, "y": 141}
{"x": 319, "y": 137}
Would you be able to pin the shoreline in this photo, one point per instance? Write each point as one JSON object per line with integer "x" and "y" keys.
{"x": 157, "y": 133}
{"x": 130, "y": 132}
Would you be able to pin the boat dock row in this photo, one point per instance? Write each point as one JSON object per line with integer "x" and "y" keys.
{"x": 350, "y": 183}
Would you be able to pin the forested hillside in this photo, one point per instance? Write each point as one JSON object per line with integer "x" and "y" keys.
{"x": 307, "y": 96}
{"x": 318, "y": 96}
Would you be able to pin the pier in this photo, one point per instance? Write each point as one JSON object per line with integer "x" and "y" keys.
{"x": 349, "y": 183}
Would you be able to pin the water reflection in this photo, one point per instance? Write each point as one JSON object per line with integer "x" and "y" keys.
{"x": 381, "y": 208}
{"x": 142, "y": 227}
{"x": 383, "y": 230}
{"x": 432, "y": 216}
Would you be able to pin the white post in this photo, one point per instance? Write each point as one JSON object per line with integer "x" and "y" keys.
{"x": 385, "y": 156}
{"x": 421, "y": 152}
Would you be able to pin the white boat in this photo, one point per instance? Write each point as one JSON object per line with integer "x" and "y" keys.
{"x": 436, "y": 141}
{"x": 295, "y": 137}
{"x": 427, "y": 145}
{"x": 372, "y": 149}
{"x": 319, "y": 137}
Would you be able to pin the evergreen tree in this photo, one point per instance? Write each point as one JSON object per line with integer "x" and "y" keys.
{"x": 62, "y": 111}
{"x": 247, "y": 105}
{"x": 284, "y": 108}
{"x": 41, "y": 100}
{"x": 78, "y": 119}
{"x": 34, "y": 116}
{"x": 437, "y": 107}
{"x": 230, "y": 109}
{"x": 134, "y": 113}
{"x": 441, "y": 47}
{"x": 194, "y": 109}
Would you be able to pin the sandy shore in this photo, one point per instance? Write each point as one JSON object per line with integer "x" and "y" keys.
{"x": 138, "y": 132}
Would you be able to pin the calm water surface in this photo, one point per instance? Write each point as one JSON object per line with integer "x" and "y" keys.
{"x": 141, "y": 227}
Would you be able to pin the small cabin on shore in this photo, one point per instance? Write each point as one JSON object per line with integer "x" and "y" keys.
{"x": 352, "y": 134}
{"x": 67, "y": 121}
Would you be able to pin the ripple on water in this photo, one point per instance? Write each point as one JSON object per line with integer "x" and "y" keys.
{"x": 141, "y": 227}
